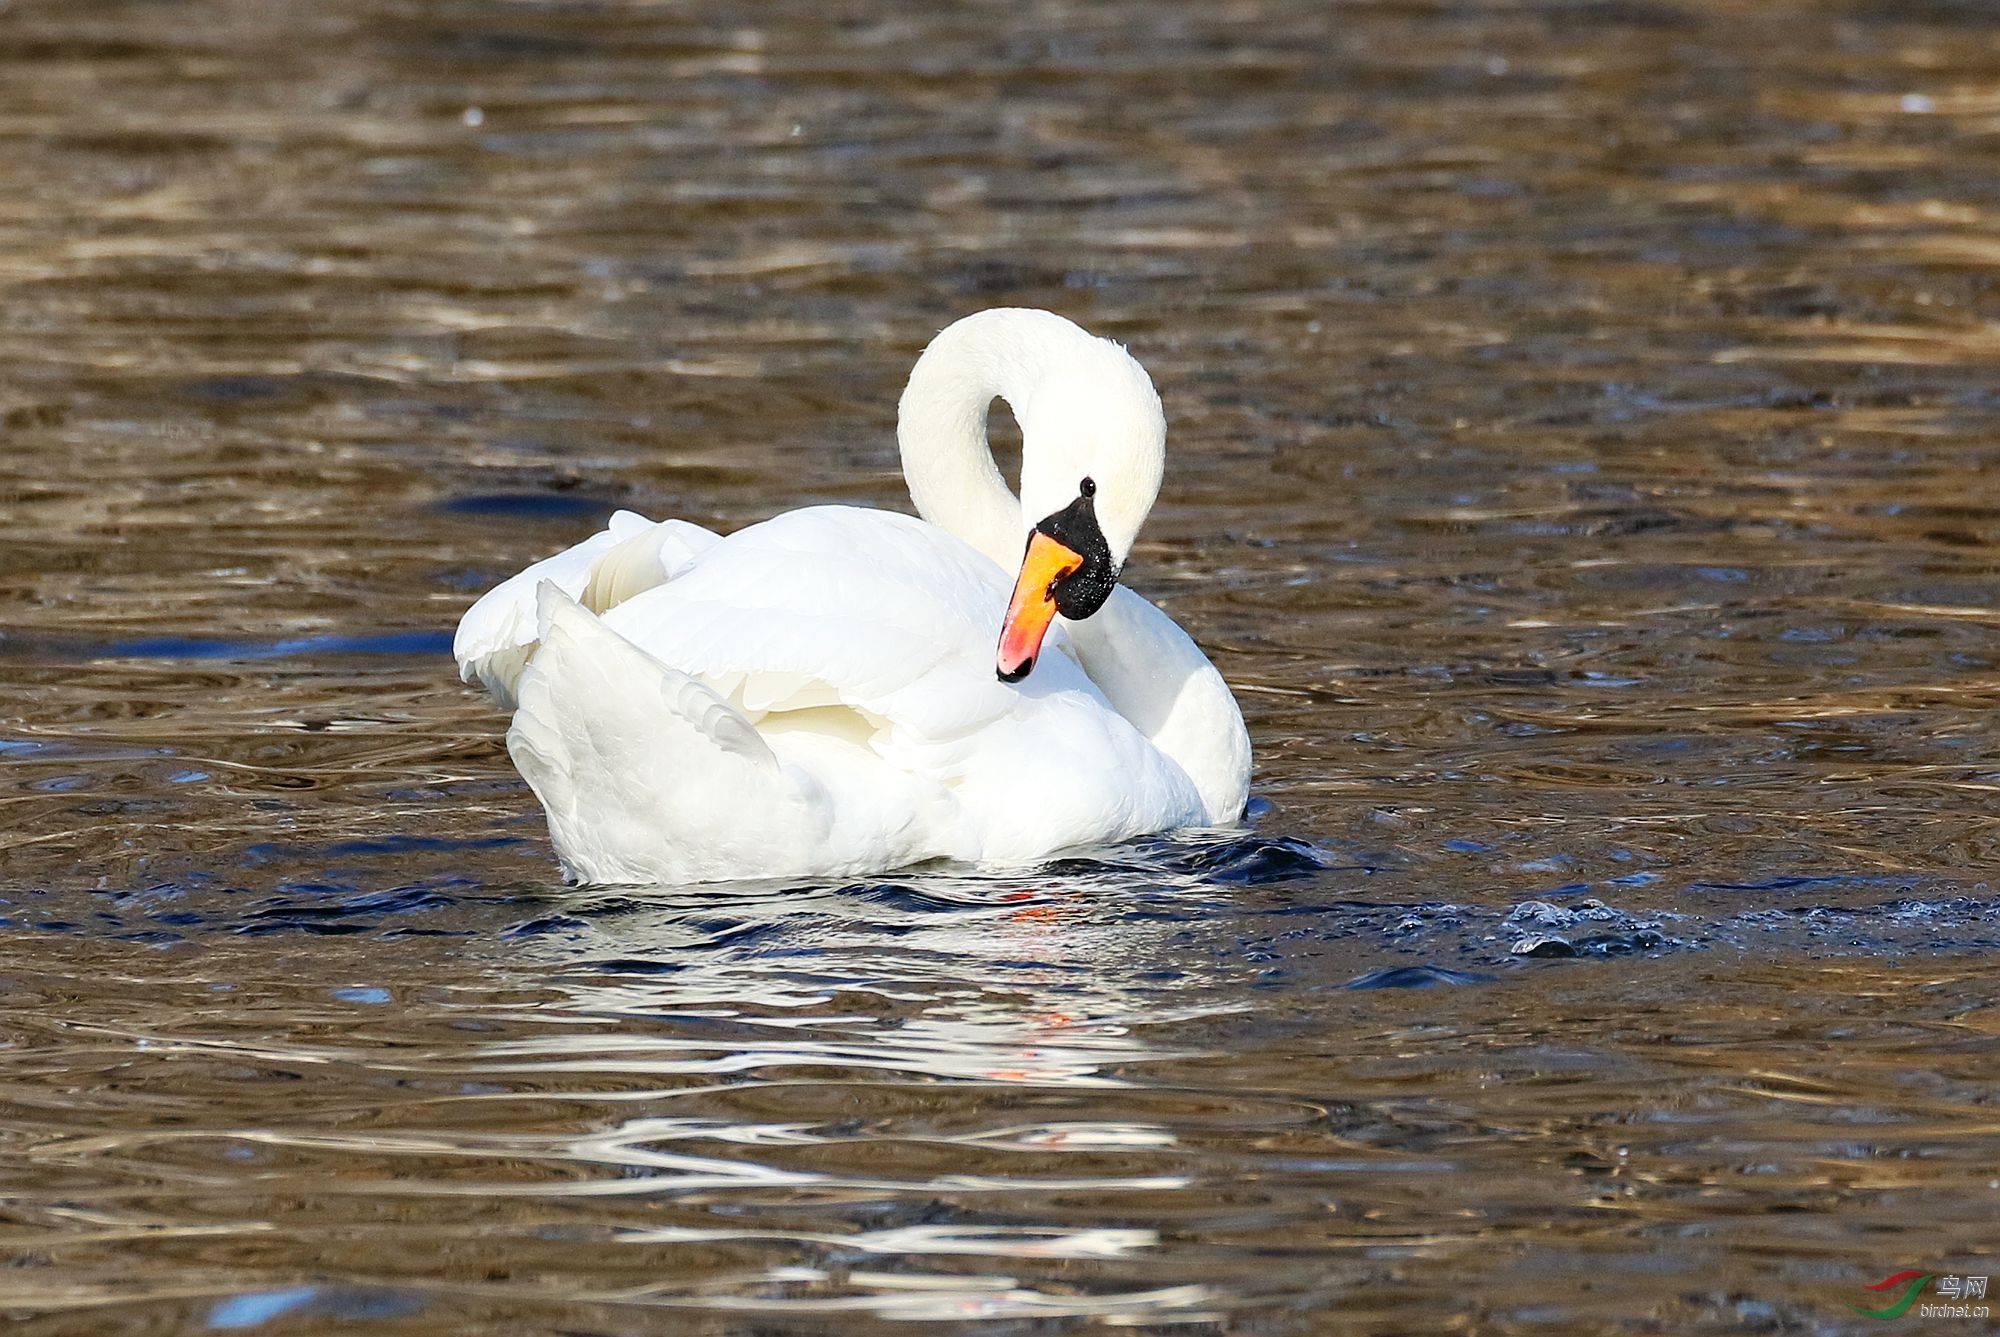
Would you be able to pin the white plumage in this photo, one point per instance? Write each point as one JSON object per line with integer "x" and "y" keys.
{"x": 816, "y": 695}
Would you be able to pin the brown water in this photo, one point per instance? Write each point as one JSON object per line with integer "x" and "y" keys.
{"x": 1584, "y": 440}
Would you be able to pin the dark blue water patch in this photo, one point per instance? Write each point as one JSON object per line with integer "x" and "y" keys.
{"x": 1417, "y": 977}
{"x": 1160, "y": 908}
{"x": 1345, "y": 906}
{"x": 545, "y": 924}
{"x": 328, "y": 908}
{"x": 1129, "y": 872}
{"x": 528, "y": 505}
{"x": 740, "y": 935}
{"x": 150, "y": 937}
{"x": 296, "y": 924}
{"x": 426, "y": 643}
{"x": 386, "y": 845}
{"x": 1120, "y": 861}
{"x": 1254, "y": 861}
{"x": 597, "y": 904}
{"x": 903, "y": 897}
{"x": 403, "y": 900}
{"x": 255, "y": 1310}
{"x": 337, "y": 1303}
{"x": 1794, "y": 883}
{"x": 814, "y": 950}
{"x": 632, "y": 965}
{"x": 1624, "y": 944}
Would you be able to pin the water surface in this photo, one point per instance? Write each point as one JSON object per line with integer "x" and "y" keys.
{"x": 1583, "y": 424}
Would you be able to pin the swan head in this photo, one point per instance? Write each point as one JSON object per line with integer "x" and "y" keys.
{"x": 1093, "y": 448}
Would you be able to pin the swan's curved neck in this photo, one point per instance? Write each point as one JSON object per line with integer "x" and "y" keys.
{"x": 941, "y": 422}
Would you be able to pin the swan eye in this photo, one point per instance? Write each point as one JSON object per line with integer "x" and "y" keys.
{"x": 1088, "y": 487}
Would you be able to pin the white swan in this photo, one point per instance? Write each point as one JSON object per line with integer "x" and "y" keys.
{"x": 817, "y": 695}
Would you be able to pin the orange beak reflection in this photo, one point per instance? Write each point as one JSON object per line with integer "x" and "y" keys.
{"x": 1033, "y": 606}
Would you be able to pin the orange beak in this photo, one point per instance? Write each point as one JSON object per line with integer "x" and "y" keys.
{"x": 1033, "y": 606}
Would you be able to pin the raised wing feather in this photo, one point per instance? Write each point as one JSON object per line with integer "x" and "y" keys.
{"x": 497, "y": 635}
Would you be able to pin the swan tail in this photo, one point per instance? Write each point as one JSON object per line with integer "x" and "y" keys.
{"x": 647, "y": 775}
{"x": 497, "y": 636}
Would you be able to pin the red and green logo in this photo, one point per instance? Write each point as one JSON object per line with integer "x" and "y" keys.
{"x": 1911, "y": 1282}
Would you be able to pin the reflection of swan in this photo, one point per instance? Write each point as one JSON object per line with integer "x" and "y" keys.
{"x": 966, "y": 978}
{"x": 816, "y": 695}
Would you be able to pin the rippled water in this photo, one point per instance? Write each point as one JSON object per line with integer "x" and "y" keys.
{"x": 1583, "y": 449}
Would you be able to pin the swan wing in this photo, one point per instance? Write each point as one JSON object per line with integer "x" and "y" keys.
{"x": 497, "y": 635}
{"x": 645, "y": 772}
{"x": 873, "y": 610}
